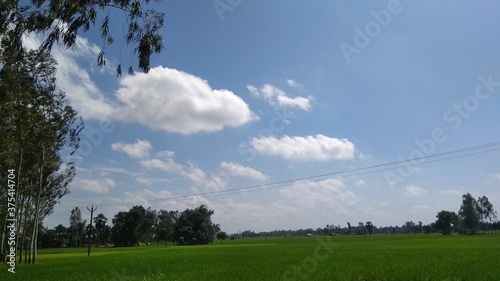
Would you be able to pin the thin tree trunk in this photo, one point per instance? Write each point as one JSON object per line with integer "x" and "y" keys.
{"x": 18, "y": 192}
{"x": 24, "y": 218}
{"x": 37, "y": 209}
{"x": 20, "y": 155}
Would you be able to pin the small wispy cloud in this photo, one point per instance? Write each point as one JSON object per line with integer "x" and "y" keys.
{"x": 279, "y": 98}
{"x": 235, "y": 169}
{"x": 138, "y": 150}
{"x": 413, "y": 191}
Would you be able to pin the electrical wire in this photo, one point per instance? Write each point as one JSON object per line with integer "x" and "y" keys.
{"x": 463, "y": 152}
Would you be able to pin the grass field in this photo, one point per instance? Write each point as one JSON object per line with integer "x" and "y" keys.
{"x": 377, "y": 257}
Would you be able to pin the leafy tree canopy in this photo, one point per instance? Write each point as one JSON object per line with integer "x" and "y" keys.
{"x": 62, "y": 20}
{"x": 469, "y": 214}
{"x": 445, "y": 219}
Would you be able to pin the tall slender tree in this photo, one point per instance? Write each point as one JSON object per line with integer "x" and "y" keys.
{"x": 39, "y": 125}
{"x": 469, "y": 215}
{"x": 75, "y": 221}
{"x": 486, "y": 210}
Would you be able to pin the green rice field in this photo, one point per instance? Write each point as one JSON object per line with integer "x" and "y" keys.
{"x": 377, "y": 257}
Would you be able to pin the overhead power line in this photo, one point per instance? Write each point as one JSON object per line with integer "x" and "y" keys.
{"x": 445, "y": 156}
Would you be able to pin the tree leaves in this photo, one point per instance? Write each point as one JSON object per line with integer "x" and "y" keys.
{"x": 39, "y": 124}
{"x": 64, "y": 19}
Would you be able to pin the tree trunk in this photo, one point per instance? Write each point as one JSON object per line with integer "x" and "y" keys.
{"x": 34, "y": 241}
{"x": 22, "y": 221}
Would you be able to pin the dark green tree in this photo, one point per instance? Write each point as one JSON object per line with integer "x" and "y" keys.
{"x": 165, "y": 225}
{"x": 61, "y": 235}
{"x": 221, "y": 236}
{"x": 132, "y": 227}
{"x": 486, "y": 210}
{"x": 146, "y": 228}
{"x": 469, "y": 215}
{"x": 75, "y": 223}
{"x": 63, "y": 20}
{"x": 103, "y": 231}
{"x": 195, "y": 227}
{"x": 445, "y": 220}
{"x": 121, "y": 234}
{"x": 369, "y": 226}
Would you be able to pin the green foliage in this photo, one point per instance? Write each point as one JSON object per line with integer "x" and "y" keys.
{"x": 485, "y": 209}
{"x": 76, "y": 228}
{"x": 103, "y": 231}
{"x": 195, "y": 227}
{"x": 369, "y": 226}
{"x": 62, "y": 20}
{"x": 132, "y": 227}
{"x": 36, "y": 125}
{"x": 469, "y": 215}
{"x": 221, "y": 236}
{"x": 445, "y": 220}
{"x": 165, "y": 225}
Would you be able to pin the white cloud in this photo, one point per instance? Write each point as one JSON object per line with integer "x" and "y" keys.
{"x": 83, "y": 94}
{"x": 104, "y": 171}
{"x": 95, "y": 185}
{"x": 310, "y": 195}
{"x": 74, "y": 79}
{"x": 279, "y": 98}
{"x": 215, "y": 183}
{"x": 138, "y": 150}
{"x": 189, "y": 171}
{"x": 175, "y": 101}
{"x": 163, "y": 99}
{"x": 497, "y": 176}
{"x": 310, "y": 148}
{"x": 292, "y": 83}
{"x": 300, "y": 102}
{"x": 195, "y": 174}
{"x": 413, "y": 191}
{"x": 360, "y": 183}
{"x": 168, "y": 165}
{"x": 422, "y": 209}
{"x": 150, "y": 181}
{"x": 451, "y": 192}
{"x": 235, "y": 169}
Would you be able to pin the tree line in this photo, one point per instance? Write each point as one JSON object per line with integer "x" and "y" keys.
{"x": 137, "y": 226}
{"x": 473, "y": 215}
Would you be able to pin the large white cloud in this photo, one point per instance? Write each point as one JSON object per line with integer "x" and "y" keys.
{"x": 310, "y": 148}
{"x": 176, "y": 101}
{"x": 163, "y": 99}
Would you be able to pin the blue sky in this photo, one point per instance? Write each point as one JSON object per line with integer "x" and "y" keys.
{"x": 261, "y": 92}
